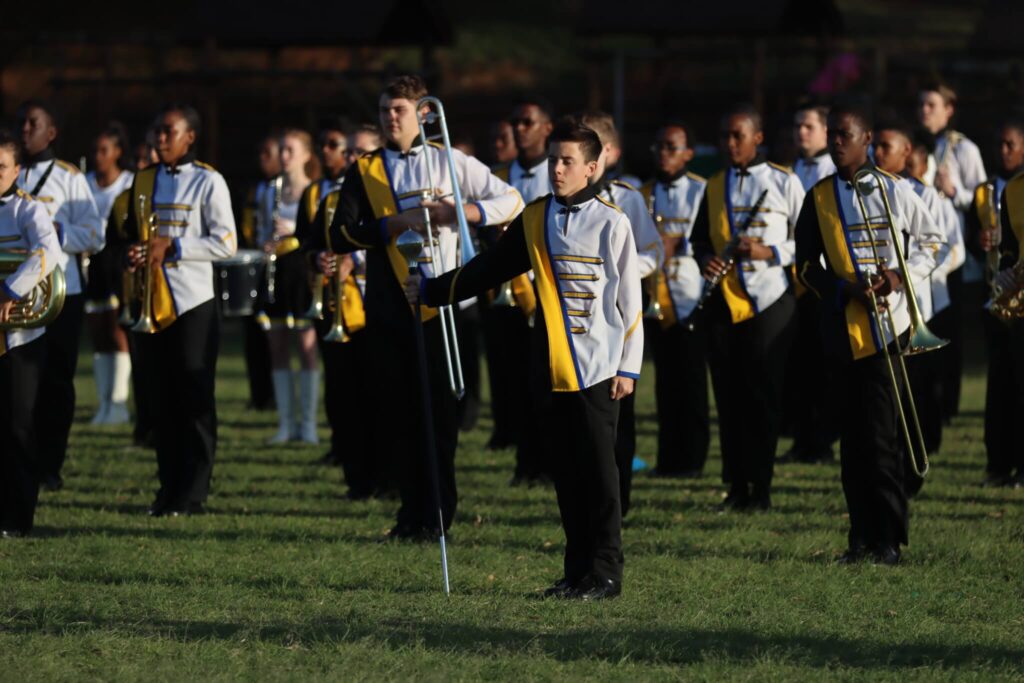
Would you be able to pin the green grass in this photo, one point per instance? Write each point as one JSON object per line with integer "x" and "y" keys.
{"x": 288, "y": 580}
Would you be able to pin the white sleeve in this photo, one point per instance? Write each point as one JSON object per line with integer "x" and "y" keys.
{"x": 628, "y": 301}
{"x": 793, "y": 193}
{"x": 44, "y": 249}
{"x": 923, "y": 231}
{"x": 219, "y": 239}
{"x": 649, "y": 247}
{"x": 972, "y": 173}
{"x": 499, "y": 202}
{"x": 951, "y": 253}
{"x": 82, "y": 225}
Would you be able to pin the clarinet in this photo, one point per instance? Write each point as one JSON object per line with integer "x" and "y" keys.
{"x": 729, "y": 256}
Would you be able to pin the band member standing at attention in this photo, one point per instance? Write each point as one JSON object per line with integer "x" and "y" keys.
{"x": 111, "y": 362}
{"x": 893, "y": 149}
{"x": 188, "y": 207}
{"x": 348, "y": 365}
{"x": 257, "y": 346}
{"x": 958, "y": 170}
{"x": 588, "y": 334}
{"x": 680, "y": 354}
{"x": 811, "y": 420}
{"x": 503, "y": 150}
{"x": 832, "y": 230}
{"x": 24, "y": 225}
{"x": 286, "y": 292}
{"x": 651, "y": 257}
{"x": 64, "y": 192}
{"x": 510, "y": 314}
{"x": 383, "y": 197}
{"x": 750, "y": 316}
{"x": 995, "y": 225}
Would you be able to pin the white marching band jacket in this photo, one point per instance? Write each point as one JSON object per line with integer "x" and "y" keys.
{"x": 531, "y": 182}
{"x": 650, "y": 250}
{"x": 105, "y": 196}
{"x": 25, "y": 224}
{"x": 812, "y": 169}
{"x": 63, "y": 191}
{"x": 932, "y": 291}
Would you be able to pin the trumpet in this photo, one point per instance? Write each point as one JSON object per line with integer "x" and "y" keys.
{"x": 338, "y": 333}
{"x": 654, "y": 311}
{"x": 278, "y": 185}
{"x": 129, "y": 285}
{"x": 43, "y": 303}
{"x": 448, "y": 331}
{"x": 921, "y": 339}
{"x": 316, "y": 306}
{"x": 147, "y": 231}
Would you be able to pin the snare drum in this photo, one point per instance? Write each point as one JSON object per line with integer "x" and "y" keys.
{"x": 238, "y": 280}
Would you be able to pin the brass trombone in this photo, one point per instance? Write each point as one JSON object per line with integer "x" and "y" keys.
{"x": 921, "y": 339}
{"x": 147, "y": 231}
{"x": 43, "y": 303}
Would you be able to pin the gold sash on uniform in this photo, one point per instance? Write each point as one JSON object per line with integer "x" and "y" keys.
{"x": 720, "y": 227}
{"x": 353, "y": 314}
{"x": 1013, "y": 195}
{"x": 837, "y": 249}
{"x": 382, "y": 200}
{"x": 164, "y": 312}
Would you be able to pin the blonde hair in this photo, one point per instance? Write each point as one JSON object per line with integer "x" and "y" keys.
{"x": 312, "y": 167}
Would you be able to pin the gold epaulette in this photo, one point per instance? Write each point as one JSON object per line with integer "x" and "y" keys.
{"x": 608, "y": 203}
{"x": 435, "y": 143}
{"x": 780, "y": 167}
{"x": 205, "y": 166}
{"x": 24, "y": 195}
{"x": 69, "y": 167}
{"x": 623, "y": 183}
{"x": 693, "y": 176}
{"x": 888, "y": 175}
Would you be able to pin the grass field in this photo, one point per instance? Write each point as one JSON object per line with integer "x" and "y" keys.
{"x": 288, "y": 580}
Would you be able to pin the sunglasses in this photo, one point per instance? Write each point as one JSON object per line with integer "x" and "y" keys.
{"x": 333, "y": 144}
{"x": 671, "y": 149}
{"x": 525, "y": 123}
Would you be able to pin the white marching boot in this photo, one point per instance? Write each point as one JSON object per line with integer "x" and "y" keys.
{"x": 103, "y": 372}
{"x": 309, "y": 394}
{"x": 118, "y": 413}
{"x": 282, "y": 380}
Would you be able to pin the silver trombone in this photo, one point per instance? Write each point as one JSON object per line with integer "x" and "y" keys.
{"x": 467, "y": 252}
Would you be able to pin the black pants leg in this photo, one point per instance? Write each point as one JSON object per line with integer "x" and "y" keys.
{"x": 180, "y": 364}
{"x": 20, "y": 371}
{"x": 952, "y": 327}
{"x": 257, "y": 364}
{"x": 625, "y": 449}
{"x": 349, "y": 411}
{"x": 336, "y": 382}
{"x": 813, "y": 421}
{"x": 55, "y": 409}
{"x": 496, "y": 344}
{"x": 582, "y": 428}
{"x": 681, "y": 395}
{"x": 1004, "y": 396}
{"x": 469, "y": 352}
{"x": 872, "y": 455}
{"x": 143, "y": 412}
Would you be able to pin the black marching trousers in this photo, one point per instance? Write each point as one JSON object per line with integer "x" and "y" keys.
{"x": 507, "y": 346}
{"x": 257, "y": 364}
{"x": 748, "y": 364}
{"x": 399, "y": 421}
{"x": 949, "y": 325}
{"x": 581, "y": 426}
{"x": 179, "y": 364}
{"x": 468, "y": 327}
{"x": 872, "y": 453}
{"x": 813, "y": 420}
{"x": 1004, "y": 397}
{"x": 681, "y": 394}
{"x": 20, "y": 371}
{"x": 55, "y": 407}
{"x": 625, "y": 448}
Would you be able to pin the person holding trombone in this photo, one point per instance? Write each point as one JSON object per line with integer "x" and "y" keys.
{"x": 847, "y": 257}
{"x": 408, "y": 184}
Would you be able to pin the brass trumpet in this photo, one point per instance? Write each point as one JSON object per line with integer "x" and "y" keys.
{"x": 43, "y": 303}
{"x": 921, "y": 339}
{"x": 338, "y": 333}
{"x": 147, "y": 231}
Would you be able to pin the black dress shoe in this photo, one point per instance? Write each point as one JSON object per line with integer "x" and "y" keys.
{"x": 594, "y": 587}
{"x": 13, "y": 533}
{"x": 560, "y": 588}
{"x": 404, "y": 532}
{"x": 888, "y": 556}
{"x": 759, "y": 503}
{"x": 499, "y": 442}
{"x": 52, "y": 482}
{"x": 194, "y": 509}
{"x": 735, "y": 501}
{"x": 853, "y": 555}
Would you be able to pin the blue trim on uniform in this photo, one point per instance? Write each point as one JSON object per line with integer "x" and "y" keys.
{"x": 10, "y": 292}
{"x": 872, "y": 318}
{"x": 60, "y": 232}
{"x": 558, "y": 286}
{"x": 631, "y": 375}
{"x": 384, "y": 234}
{"x": 775, "y": 258}
{"x": 423, "y": 289}
{"x": 175, "y": 255}
{"x": 483, "y": 214}
{"x": 732, "y": 233}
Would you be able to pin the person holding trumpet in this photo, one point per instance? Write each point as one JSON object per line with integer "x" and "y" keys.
{"x": 24, "y": 225}
{"x": 386, "y": 193}
{"x": 179, "y": 222}
{"x": 850, "y": 262}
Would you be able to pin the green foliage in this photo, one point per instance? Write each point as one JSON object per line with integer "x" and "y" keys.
{"x": 287, "y": 580}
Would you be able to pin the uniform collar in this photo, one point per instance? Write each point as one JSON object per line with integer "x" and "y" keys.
{"x": 1006, "y": 175}
{"x": 584, "y": 195}
{"x": 183, "y": 162}
{"x": 814, "y": 158}
{"x": 866, "y": 166}
{"x": 667, "y": 180}
{"x": 529, "y": 166}
{"x": 757, "y": 161}
{"x": 46, "y": 155}
{"x": 414, "y": 149}
{"x": 6, "y": 196}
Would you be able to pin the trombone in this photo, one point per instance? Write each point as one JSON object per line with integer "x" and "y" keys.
{"x": 921, "y": 339}
{"x": 467, "y": 252}
{"x": 147, "y": 231}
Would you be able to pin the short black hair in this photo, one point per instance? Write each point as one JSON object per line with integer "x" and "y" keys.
{"x": 859, "y": 112}
{"x": 406, "y": 87}
{"x": 571, "y": 130}
{"x": 746, "y": 110}
{"x": 188, "y": 112}
{"x": 542, "y": 104}
{"x": 335, "y": 124}
{"x": 683, "y": 126}
{"x": 897, "y": 126}
{"x": 8, "y": 140}
{"x": 922, "y": 138}
{"x": 1012, "y": 123}
{"x": 117, "y": 132}
{"x": 49, "y": 107}
{"x": 815, "y": 105}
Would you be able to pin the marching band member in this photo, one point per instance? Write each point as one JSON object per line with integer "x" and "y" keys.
{"x": 111, "y": 362}
{"x": 24, "y": 224}
{"x": 1002, "y": 195}
{"x": 503, "y": 150}
{"x": 750, "y": 317}
{"x": 507, "y": 325}
{"x": 651, "y": 257}
{"x": 381, "y": 198}
{"x": 256, "y": 344}
{"x": 590, "y": 332}
{"x": 832, "y": 227}
{"x": 193, "y": 224}
{"x": 893, "y": 146}
{"x": 64, "y": 192}
{"x": 680, "y": 354}
{"x": 284, "y": 306}
{"x": 810, "y": 420}
{"x": 958, "y": 170}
